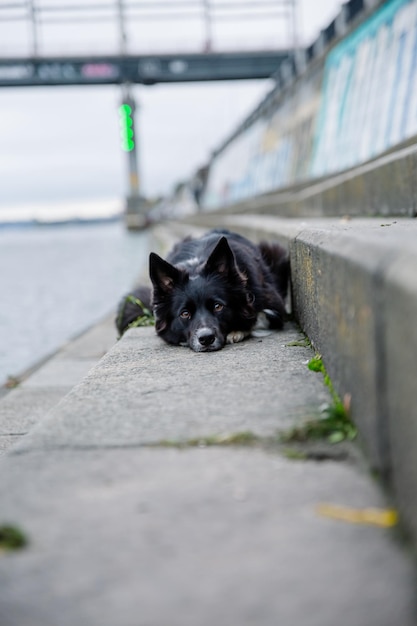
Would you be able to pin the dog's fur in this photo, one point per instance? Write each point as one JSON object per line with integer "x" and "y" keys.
{"x": 212, "y": 291}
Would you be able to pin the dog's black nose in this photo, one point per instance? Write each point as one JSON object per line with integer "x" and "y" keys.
{"x": 206, "y": 338}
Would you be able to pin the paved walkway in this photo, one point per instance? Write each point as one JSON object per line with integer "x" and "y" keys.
{"x": 134, "y": 519}
{"x": 47, "y": 383}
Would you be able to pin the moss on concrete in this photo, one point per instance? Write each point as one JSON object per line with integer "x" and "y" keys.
{"x": 11, "y": 538}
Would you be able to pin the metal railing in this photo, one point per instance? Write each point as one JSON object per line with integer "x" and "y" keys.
{"x": 119, "y": 18}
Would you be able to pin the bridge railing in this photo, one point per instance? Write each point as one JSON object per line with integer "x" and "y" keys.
{"x": 55, "y": 28}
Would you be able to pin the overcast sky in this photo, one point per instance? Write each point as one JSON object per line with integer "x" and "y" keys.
{"x": 62, "y": 143}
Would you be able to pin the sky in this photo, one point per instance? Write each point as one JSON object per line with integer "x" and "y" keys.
{"x": 61, "y": 144}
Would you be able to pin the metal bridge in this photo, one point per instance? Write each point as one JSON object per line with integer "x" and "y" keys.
{"x": 115, "y": 50}
{"x": 104, "y": 42}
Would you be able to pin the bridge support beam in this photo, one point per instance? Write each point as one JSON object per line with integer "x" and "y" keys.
{"x": 135, "y": 216}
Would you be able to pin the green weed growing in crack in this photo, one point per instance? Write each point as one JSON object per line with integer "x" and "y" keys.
{"x": 245, "y": 438}
{"x": 11, "y": 538}
{"x": 335, "y": 425}
{"x": 146, "y": 317}
{"x": 12, "y": 382}
{"x": 294, "y": 454}
{"x": 300, "y": 343}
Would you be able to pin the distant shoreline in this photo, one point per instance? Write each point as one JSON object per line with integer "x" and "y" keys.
{"x": 82, "y": 212}
{"x": 76, "y": 221}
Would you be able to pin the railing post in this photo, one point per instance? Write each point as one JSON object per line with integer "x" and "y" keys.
{"x": 33, "y": 20}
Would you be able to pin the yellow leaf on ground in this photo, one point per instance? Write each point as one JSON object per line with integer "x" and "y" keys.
{"x": 377, "y": 517}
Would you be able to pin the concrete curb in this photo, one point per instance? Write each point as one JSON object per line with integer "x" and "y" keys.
{"x": 354, "y": 292}
{"x": 45, "y": 384}
{"x": 119, "y": 515}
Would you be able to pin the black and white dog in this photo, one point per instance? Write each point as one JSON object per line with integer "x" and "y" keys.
{"x": 212, "y": 291}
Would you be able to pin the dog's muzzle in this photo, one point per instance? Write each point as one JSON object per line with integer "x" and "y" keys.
{"x": 205, "y": 340}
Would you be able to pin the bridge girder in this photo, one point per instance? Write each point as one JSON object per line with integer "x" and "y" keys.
{"x": 142, "y": 69}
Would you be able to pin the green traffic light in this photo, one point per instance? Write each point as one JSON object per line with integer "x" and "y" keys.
{"x": 126, "y": 127}
{"x": 126, "y": 109}
{"x": 128, "y": 145}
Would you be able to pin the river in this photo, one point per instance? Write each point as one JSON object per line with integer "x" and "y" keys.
{"x": 55, "y": 281}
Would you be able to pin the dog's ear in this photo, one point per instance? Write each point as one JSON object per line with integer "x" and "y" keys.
{"x": 164, "y": 276}
{"x": 221, "y": 260}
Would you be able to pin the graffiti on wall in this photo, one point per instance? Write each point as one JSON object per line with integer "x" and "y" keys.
{"x": 362, "y": 102}
{"x": 369, "y": 101}
{"x": 273, "y": 152}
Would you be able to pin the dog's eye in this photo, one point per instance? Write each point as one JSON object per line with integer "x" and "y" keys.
{"x": 185, "y": 314}
{"x": 218, "y": 307}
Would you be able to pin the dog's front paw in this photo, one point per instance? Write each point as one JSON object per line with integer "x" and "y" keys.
{"x": 236, "y": 335}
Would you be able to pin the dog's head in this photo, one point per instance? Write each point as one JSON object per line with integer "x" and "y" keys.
{"x": 199, "y": 307}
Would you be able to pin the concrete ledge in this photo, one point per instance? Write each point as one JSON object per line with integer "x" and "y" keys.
{"x": 144, "y": 392}
{"x": 354, "y": 286}
{"x": 195, "y": 537}
{"x": 119, "y": 516}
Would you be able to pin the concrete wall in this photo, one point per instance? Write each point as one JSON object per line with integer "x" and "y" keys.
{"x": 348, "y": 107}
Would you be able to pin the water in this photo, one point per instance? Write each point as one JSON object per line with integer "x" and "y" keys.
{"x": 55, "y": 281}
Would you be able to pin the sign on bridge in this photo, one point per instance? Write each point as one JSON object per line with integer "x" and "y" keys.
{"x": 146, "y": 70}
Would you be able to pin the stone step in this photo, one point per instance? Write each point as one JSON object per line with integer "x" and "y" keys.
{"x": 354, "y": 284}
{"x": 145, "y": 500}
{"x": 157, "y": 491}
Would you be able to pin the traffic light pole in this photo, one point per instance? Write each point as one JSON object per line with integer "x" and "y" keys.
{"x": 135, "y": 216}
{"x": 134, "y": 212}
